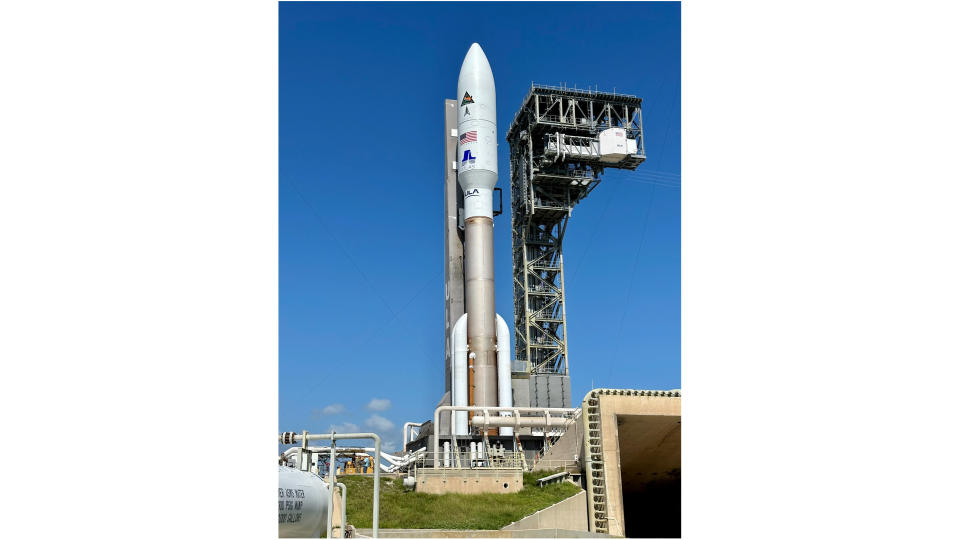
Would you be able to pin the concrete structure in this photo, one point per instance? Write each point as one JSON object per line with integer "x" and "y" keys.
{"x": 569, "y": 514}
{"x": 632, "y": 462}
{"x": 469, "y": 481}
{"x": 338, "y": 515}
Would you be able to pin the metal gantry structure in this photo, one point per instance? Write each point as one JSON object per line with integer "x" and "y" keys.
{"x": 555, "y": 162}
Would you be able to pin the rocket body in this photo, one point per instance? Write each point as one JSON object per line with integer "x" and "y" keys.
{"x": 477, "y": 175}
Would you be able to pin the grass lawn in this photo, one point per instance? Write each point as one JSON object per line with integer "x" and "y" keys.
{"x": 401, "y": 509}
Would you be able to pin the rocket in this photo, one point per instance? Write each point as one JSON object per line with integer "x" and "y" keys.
{"x": 477, "y": 175}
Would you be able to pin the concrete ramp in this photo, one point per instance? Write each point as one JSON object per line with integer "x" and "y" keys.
{"x": 569, "y": 514}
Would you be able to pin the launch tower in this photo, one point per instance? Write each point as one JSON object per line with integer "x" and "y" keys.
{"x": 561, "y": 140}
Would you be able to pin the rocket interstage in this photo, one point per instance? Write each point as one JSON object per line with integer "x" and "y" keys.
{"x": 477, "y": 174}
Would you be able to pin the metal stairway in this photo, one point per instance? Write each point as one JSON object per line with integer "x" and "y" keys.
{"x": 593, "y": 462}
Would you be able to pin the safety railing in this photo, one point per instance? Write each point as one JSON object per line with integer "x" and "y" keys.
{"x": 556, "y": 464}
{"x": 466, "y": 459}
{"x": 578, "y": 90}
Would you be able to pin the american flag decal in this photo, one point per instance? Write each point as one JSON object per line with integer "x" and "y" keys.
{"x": 470, "y": 136}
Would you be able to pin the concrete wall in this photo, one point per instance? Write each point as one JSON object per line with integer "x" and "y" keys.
{"x": 337, "y": 501}
{"x": 469, "y": 481}
{"x": 569, "y": 514}
{"x": 613, "y": 410}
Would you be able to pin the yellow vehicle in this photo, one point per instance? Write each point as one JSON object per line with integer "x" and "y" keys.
{"x": 355, "y": 465}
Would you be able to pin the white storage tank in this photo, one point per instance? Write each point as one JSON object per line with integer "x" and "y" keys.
{"x": 613, "y": 145}
{"x": 302, "y": 504}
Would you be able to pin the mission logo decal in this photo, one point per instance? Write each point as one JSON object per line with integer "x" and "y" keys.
{"x": 466, "y": 99}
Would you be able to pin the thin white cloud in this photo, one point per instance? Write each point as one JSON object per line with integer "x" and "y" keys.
{"x": 336, "y": 408}
{"x": 379, "y": 423}
{"x": 346, "y": 427}
{"x": 377, "y": 404}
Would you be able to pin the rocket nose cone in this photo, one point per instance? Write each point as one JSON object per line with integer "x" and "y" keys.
{"x": 475, "y": 60}
{"x": 476, "y": 89}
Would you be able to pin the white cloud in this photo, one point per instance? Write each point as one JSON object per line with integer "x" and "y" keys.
{"x": 346, "y": 427}
{"x": 379, "y": 423}
{"x": 336, "y": 408}
{"x": 377, "y": 404}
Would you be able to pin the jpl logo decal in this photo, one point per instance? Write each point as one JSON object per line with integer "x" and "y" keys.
{"x": 468, "y": 157}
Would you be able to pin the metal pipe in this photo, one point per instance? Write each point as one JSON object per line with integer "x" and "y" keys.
{"x": 515, "y": 410}
{"x": 300, "y": 456}
{"x": 292, "y": 437}
{"x": 504, "y": 385}
{"x": 458, "y": 390}
{"x": 470, "y": 378}
{"x": 324, "y": 449}
{"x": 409, "y": 425}
{"x": 525, "y": 421}
{"x": 393, "y": 461}
{"x": 331, "y": 480}
{"x": 343, "y": 509}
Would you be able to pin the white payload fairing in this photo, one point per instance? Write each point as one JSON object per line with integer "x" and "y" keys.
{"x": 477, "y": 175}
{"x": 477, "y": 130}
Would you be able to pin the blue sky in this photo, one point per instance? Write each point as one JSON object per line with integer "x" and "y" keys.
{"x": 361, "y": 200}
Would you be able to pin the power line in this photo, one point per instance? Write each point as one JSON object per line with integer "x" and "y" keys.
{"x": 346, "y": 254}
{"x": 596, "y": 229}
{"x": 661, "y": 181}
{"x": 658, "y": 174}
{"x": 669, "y": 125}
{"x": 661, "y": 173}
{"x": 652, "y": 182}
{"x": 636, "y": 259}
{"x": 423, "y": 287}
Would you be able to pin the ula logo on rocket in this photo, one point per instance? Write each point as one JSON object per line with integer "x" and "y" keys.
{"x": 471, "y": 193}
{"x": 468, "y": 157}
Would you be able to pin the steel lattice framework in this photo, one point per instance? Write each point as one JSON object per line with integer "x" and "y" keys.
{"x": 554, "y": 164}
